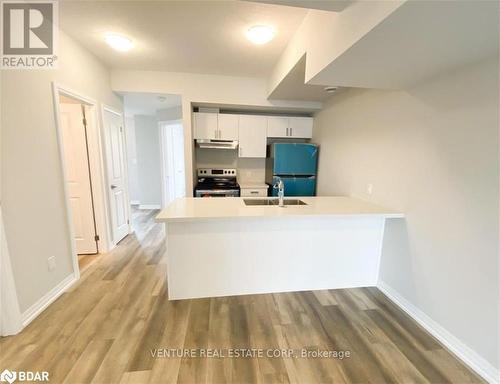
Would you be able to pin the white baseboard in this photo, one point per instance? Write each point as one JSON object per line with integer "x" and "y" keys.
{"x": 149, "y": 206}
{"x": 135, "y": 202}
{"x": 477, "y": 363}
{"x": 32, "y": 312}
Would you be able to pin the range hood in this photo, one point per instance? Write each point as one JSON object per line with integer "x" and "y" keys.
{"x": 217, "y": 144}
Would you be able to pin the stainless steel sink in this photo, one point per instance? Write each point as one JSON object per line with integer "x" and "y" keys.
{"x": 260, "y": 201}
{"x": 272, "y": 202}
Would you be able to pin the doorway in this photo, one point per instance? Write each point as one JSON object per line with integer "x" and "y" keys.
{"x": 84, "y": 182}
{"x": 155, "y": 150}
{"x": 75, "y": 151}
{"x": 172, "y": 161}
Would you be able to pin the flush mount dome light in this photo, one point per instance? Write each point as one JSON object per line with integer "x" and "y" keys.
{"x": 119, "y": 42}
{"x": 260, "y": 34}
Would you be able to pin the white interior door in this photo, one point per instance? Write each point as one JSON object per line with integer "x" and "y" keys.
{"x": 78, "y": 177}
{"x": 166, "y": 165}
{"x": 178, "y": 160}
{"x": 115, "y": 159}
{"x": 173, "y": 171}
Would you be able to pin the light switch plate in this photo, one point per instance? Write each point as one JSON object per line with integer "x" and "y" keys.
{"x": 369, "y": 188}
{"x": 51, "y": 262}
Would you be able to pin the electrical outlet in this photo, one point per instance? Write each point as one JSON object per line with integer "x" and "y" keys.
{"x": 51, "y": 263}
{"x": 369, "y": 188}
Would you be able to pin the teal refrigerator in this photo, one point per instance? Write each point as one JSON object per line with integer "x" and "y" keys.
{"x": 296, "y": 164}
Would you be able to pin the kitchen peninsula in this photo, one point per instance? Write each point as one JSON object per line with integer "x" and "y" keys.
{"x": 233, "y": 246}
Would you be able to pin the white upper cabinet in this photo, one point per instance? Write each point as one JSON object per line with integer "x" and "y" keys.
{"x": 277, "y": 126}
{"x": 252, "y": 136}
{"x": 301, "y": 127}
{"x": 214, "y": 126}
{"x": 289, "y": 127}
{"x": 228, "y": 127}
{"x": 205, "y": 125}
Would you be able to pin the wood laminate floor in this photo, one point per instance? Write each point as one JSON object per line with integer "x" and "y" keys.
{"x": 85, "y": 260}
{"x": 107, "y": 327}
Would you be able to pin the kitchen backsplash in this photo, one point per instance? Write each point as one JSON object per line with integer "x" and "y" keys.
{"x": 249, "y": 170}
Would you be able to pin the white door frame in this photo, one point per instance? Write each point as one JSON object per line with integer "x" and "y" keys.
{"x": 96, "y": 170}
{"x": 162, "y": 156}
{"x": 107, "y": 108}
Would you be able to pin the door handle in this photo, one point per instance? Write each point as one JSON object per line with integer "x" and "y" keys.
{"x": 112, "y": 186}
{"x": 291, "y": 131}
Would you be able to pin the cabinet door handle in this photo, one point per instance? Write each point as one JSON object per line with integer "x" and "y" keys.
{"x": 254, "y": 192}
{"x": 291, "y": 131}
{"x": 286, "y": 131}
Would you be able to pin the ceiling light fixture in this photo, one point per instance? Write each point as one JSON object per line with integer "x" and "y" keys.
{"x": 260, "y": 34}
{"x": 119, "y": 42}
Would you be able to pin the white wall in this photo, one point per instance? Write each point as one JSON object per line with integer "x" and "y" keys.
{"x": 32, "y": 181}
{"x": 432, "y": 153}
{"x": 144, "y": 158}
{"x": 147, "y": 139}
{"x": 249, "y": 170}
{"x": 168, "y": 114}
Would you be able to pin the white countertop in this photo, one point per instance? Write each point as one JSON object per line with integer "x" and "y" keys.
{"x": 193, "y": 209}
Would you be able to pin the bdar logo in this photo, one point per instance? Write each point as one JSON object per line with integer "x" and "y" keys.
{"x": 8, "y": 376}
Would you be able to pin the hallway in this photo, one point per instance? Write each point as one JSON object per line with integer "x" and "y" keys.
{"x": 108, "y": 326}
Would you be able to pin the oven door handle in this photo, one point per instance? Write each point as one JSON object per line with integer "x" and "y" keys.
{"x": 215, "y": 191}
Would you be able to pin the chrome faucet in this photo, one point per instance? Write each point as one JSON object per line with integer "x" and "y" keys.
{"x": 280, "y": 186}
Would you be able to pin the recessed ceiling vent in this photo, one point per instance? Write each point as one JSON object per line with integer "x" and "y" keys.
{"x": 331, "y": 89}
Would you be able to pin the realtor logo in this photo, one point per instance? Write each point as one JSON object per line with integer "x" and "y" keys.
{"x": 8, "y": 376}
{"x": 29, "y": 32}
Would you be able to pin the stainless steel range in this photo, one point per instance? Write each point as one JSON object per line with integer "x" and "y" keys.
{"x": 217, "y": 183}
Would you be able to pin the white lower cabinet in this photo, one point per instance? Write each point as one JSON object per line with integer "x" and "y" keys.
{"x": 252, "y": 136}
{"x": 254, "y": 191}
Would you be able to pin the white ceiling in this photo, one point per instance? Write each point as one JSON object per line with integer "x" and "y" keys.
{"x": 182, "y": 36}
{"x": 324, "y": 5}
{"x": 148, "y": 103}
{"x": 292, "y": 87}
{"x": 418, "y": 41}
